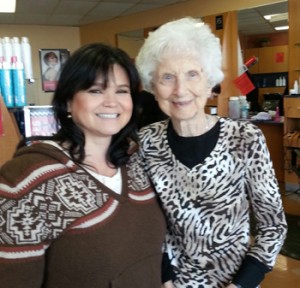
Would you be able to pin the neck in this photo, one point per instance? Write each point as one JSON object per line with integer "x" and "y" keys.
{"x": 96, "y": 158}
{"x": 193, "y": 128}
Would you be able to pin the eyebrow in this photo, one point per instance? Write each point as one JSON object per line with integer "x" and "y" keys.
{"x": 101, "y": 84}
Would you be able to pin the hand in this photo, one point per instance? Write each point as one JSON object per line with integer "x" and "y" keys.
{"x": 231, "y": 286}
{"x": 168, "y": 284}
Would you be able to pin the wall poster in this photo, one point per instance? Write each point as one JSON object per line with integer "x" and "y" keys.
{"x": 51, "y": 62}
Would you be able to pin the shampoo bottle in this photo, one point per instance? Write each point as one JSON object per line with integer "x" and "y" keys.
{"x": 6, "y": 83}
{"x": 16, "y": 48}
{"x": 26, "y": 58}
{"x": 7, "y": 49}
{"x": 19, "y": 84}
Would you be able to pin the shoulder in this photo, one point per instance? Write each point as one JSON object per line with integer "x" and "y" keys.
{"x": 140, "y": 188}
{"x": 135, "y": 167}
{"x": 240, "y": 128}
{"x": 153, "y": 130}
{"x": 31, "y": 165}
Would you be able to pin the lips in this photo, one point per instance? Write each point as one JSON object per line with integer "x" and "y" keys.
{"x": 181, "y": 103}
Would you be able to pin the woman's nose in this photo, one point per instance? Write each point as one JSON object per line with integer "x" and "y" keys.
{"x": 180, "y": 86}
{"x": 110, "y": 99}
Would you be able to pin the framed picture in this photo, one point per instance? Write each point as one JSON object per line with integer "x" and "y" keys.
{"x": 51, "y": 62}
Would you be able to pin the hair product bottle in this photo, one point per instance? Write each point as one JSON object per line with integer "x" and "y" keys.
{"x": 19, "y": 85}
{"x": 26, "y": 58}
{"x": 6, "y": 83}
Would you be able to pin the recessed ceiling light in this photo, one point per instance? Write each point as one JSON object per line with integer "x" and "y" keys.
{"x": 8, "y": 6}
{"x": 277, "y": 17}
{"x": 281, "y": 28}
{"x": 268, "y": 17}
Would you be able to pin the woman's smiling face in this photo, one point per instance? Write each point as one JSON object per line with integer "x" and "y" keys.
{"x": 103, "y": 111}
{"x": 181, "y": 88}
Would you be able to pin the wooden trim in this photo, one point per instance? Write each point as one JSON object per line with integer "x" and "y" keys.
{"x": 11, "y": 136}
{"x": 230, "y": 62}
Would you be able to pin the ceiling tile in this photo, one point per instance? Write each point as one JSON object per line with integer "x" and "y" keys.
{"x": 74, "y": 7}
{"x": 140, "y": 8}
{"x": 35, "y": 7}
{"x": 110, "y": 10}
{"x": 63, "y": 19}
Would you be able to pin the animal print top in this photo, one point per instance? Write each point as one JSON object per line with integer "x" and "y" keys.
{"x": 208, "y": 206}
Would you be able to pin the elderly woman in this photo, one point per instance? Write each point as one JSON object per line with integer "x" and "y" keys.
{"x": 209, "y": 172}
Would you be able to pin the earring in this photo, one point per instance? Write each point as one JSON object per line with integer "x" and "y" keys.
{"x": 69, "y": 115}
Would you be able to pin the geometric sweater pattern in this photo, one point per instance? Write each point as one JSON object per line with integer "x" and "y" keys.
{"x": 45, "y": 196}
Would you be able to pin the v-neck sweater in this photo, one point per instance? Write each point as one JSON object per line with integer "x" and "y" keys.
{"x": 60, "y": 227}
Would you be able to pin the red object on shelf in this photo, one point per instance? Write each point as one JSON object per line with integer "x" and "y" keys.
{"x": 244, "y": 84}
{"x": 251, "y": 61}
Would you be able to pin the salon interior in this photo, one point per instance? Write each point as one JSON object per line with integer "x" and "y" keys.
{"x": 252, "y": 46}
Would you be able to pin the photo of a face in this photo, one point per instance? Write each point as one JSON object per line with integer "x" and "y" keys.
{"x": 51, "y": 62}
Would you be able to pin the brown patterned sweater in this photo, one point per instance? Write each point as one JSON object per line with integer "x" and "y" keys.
{"x": 60, "y": 227}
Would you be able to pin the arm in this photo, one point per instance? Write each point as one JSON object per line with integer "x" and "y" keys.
{"x": 22, "y": 232}
{"x": 266, "y": 204}
{"x": 21, "y": 249}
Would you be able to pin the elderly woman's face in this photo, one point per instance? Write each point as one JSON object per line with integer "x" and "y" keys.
{"x": 181, "y": 88}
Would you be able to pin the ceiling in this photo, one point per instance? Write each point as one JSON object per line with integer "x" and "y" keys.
{"x": 81, "y": 12}
{"x": 252, "y": 22}
{"x": 76, "y": 12}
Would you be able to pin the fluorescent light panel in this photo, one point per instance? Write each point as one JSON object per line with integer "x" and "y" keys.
{"x": 7, "y": 6}
{"x": 281, "y": 28}
{"x": 277, "y": 17}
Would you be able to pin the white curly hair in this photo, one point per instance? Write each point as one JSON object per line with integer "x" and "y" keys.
{"x": 185, "y": 36}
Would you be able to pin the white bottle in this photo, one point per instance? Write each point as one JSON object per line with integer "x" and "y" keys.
{"x": 234, "y": 107}
{"x": 27, "y": 58}
{"x": 7, "y": 49}
{"x": 16, "y": 49}
{"x": 296, "y": 87}
{"x": 1, "y": 48}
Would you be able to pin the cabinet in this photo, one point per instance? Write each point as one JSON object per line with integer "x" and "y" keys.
{"x": 291, "y": 142}
{"x": 270, "y": 59}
